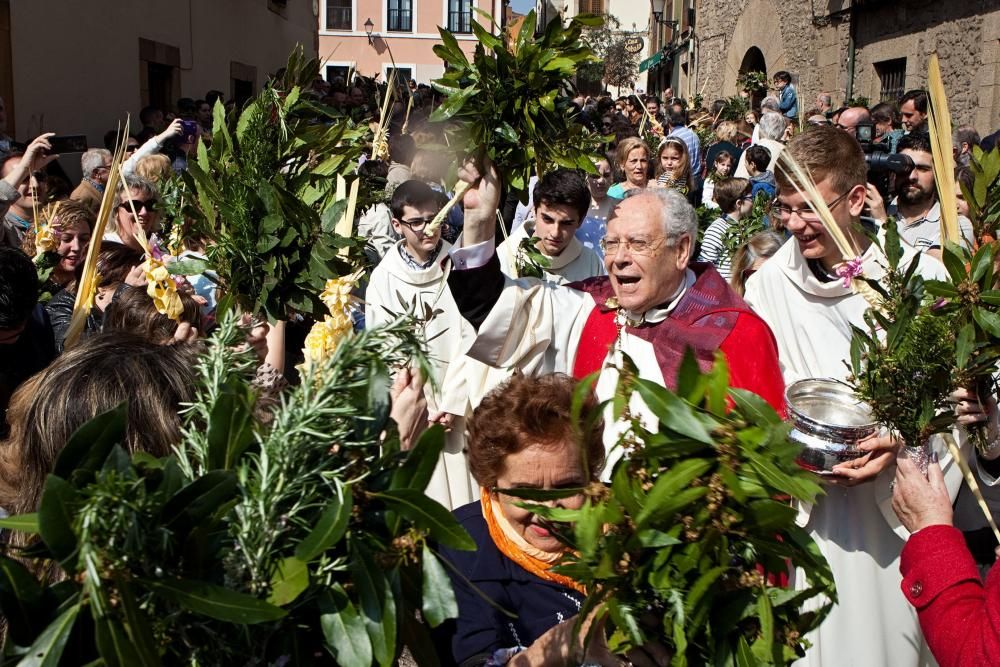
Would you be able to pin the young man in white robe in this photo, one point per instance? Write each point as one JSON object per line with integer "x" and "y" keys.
{"x": 561, "y": 200}
{"x": 801, "y": 296}
{"x": 412, "y": 278}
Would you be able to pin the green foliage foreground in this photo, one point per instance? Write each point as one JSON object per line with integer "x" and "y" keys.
{"x": 306, "y": 538}
{"x": 673, "y": 551}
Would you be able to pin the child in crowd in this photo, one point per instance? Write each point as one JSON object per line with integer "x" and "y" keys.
{"x": 722, "y": 167}
{"x": 761, "y": 179}
{"x": 673, "y": 166}
{"x": 733, "y": 198}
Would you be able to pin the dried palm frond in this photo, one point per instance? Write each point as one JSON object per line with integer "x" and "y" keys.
{"x": 87, "y": 285}
{"x": 939, "y": 124}
{"x": 380, "y": 144}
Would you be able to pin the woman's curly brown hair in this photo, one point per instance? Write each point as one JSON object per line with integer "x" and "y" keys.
{"x": 526, "y": 411}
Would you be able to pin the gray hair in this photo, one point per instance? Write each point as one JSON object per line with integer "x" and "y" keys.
{"x": 825, "y": 98}
{"x": 965, "y": 134}
{"x": 772, "y": 126}
{"x": 679, "y": 218}
{"x": 770, "y": 103}
{"x": 94, "y": 159}
{"x": 133, "y": 182}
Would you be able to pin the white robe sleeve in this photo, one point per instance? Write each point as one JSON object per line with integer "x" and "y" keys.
{"x": 535, "y": 326}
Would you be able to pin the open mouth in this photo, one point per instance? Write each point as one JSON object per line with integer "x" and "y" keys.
{"x": 627, "y": 283}
{"x": 806, "y": 239}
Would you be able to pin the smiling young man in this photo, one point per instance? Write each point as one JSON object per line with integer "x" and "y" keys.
{"x": 653, "y": 305}
{"x": 561, "y": 200}
{"x": 801, "y": 296}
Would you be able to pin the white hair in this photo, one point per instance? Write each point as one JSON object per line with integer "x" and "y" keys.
{"x": 770, "y": 103}
{"x": 93, "y": 159}
{"x": 772, "y": 126}
{"x": 679, "y": 218}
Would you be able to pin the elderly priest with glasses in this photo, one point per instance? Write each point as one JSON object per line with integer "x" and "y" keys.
{"x": 652, "y": 306}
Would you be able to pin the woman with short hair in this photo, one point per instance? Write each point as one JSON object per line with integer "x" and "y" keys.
{"x": 522, "y": 436}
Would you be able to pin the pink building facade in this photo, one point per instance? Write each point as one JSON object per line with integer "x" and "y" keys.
{"x": 403, "y": 31}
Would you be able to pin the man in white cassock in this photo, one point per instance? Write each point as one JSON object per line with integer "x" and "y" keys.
{"x": 804, "y": 299}
{"x": 412, "y": 278}
{"x": 562, "y": 200}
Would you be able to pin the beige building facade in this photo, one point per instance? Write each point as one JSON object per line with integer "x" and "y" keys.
{"x": 79, "y": 67}
{"x": 874, "y": 49}
{"x": 371, "y": 37}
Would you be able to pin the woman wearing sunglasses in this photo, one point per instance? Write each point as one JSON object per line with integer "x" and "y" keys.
{"x": 136, "y": 197}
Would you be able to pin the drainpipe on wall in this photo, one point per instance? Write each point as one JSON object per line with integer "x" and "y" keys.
{"x": 849, "y": 92}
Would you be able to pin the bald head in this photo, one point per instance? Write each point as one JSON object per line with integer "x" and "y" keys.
{"x": 852, "y": 117}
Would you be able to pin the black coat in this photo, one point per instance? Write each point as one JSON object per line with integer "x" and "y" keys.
{"x": 481, "y": 628}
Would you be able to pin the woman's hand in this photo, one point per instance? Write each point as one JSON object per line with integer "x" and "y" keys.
{"x": 920, "y": 501}
{"x": 972, "y": 410}
{"x": 880, "y": 451}
{"x": 409, "y": 406}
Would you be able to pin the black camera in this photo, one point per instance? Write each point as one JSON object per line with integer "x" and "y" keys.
{"x": 883, "y": 166}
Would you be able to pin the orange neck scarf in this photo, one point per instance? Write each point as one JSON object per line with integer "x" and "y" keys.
{"x": 514, "y": 547}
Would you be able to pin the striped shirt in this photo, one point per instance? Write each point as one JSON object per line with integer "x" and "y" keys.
{"x": 713, "y": 247}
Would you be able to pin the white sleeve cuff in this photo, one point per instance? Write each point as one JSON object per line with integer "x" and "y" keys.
{"x": 472, "y": 257}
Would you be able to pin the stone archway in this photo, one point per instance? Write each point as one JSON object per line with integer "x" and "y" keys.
{"x": 754, "y": 61}
{"x": 757, "y": 35}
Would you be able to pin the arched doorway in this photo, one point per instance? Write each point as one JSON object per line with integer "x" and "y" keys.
{"x": 753, "y": 61}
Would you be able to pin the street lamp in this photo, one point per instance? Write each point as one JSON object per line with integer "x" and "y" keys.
{"x": 658, "y": 17}
{"x": 369, "y": 27}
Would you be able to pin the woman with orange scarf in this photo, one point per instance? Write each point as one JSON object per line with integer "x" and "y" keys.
{"x": 522, "y": 437}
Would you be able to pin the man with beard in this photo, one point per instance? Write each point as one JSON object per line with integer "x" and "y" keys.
{"x": 916, "y": 209}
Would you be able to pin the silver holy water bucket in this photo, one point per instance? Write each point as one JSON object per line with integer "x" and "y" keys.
{"x": 828, "y": 422}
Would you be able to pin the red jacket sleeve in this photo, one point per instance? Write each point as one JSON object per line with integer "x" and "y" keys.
{"x": 752, "y": 355}
{"x": 959, "y": 617}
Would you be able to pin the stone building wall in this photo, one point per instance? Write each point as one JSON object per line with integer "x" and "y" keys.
{"x": 811, "y": 40}
{"x": 965, "y": 35}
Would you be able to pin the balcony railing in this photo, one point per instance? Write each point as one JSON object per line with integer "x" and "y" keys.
{"x": 400, "y": 20}
{"x": 339, "y": 18}
{"x": 460, "y": 21}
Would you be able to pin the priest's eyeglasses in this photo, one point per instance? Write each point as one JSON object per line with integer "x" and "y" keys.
{"x": 416, "y": 224}
{"x": 807, "y": 213}
{"x": 633, "y": 246}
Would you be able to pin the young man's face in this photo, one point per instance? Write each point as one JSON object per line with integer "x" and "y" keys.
{"x": 912, "y": 119}
{"x": 411, "y": 227}
{"x": 555, "y": 225}
{"x": 653, "y": 108}
{"x": 807, "y": 228}
{"x": 780, "y": 84}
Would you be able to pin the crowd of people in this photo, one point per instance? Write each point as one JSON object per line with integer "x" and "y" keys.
{"x": 635, "y": 258}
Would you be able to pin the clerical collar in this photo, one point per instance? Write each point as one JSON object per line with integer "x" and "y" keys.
{"x": 819, "y": 272}
{"x": 414, "y": 263}
{"x": 658, "y": 313}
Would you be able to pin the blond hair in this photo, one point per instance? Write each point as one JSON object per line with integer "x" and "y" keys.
{"x": 154, "y": 168}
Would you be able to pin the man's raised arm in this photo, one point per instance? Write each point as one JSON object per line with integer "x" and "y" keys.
{"x": 476, "y": 280}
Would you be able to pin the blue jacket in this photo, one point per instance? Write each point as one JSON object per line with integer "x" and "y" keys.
{"x": 788, "y": 103}
{"x": 481, "y": 628}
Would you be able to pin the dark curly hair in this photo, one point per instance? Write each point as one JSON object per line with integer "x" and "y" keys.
{"x": 525, "y": 411}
